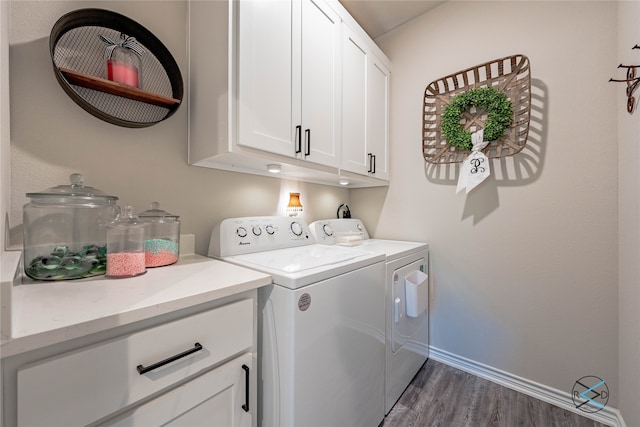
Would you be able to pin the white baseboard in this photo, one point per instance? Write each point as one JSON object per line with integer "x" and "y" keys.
{"x": 609, "y": 416}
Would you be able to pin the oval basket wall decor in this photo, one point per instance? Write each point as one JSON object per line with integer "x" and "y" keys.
{"x": 510, "y": 75}
{"x": 81, "y": 44}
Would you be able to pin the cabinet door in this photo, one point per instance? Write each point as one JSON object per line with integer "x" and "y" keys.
{"x": 288, "y": 79}
{"x": 215, "y": 399}
{"x": 378, "y": 118}
{"x": 354, "y": 103}
{"x": 365, "y": 97}
{"x": 320, "y": 83}
{"x": 266, "y": 101}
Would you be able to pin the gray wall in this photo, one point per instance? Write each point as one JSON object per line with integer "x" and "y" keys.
{"x": 629, "y": 218}
{"x": 5, "y": 157}
{"x": 5, "y": 147}
{"x": 524, "y": 268}
{"x": 52, "y": 137}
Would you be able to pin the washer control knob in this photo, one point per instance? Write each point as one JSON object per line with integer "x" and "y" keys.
{"x": 241, "y": 232}
{"x": 327, "y": 230}
{"x": 359, "y": 227}
{"x": 270, "y": 229}
{"x": 296, "y": 228}
{"x": 256, "y": 230}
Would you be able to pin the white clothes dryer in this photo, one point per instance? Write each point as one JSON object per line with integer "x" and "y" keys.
{"x": 406, "y": 301}
{"x": 321, "y": 342}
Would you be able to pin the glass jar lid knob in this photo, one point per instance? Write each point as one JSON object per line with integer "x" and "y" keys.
{"x": 76, "y": 180}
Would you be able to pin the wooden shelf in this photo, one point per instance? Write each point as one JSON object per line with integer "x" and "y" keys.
{"x": 113, "y": 88}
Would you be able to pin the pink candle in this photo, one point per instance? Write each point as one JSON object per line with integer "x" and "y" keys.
{"x": 121, "y": 72}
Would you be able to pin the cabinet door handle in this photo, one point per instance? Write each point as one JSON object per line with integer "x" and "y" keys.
{"x": 370, "y": 162}
{"x": 298, "y": 141}
{"x": 142, "y": 370}
{"x": 245, "y": 407}
{"x": 374, "y": 163}
{"x": 307, "y": 142}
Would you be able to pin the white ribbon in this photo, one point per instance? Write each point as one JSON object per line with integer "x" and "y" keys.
{"x": 475, "y": 168}
{"x": 128, "y": 43}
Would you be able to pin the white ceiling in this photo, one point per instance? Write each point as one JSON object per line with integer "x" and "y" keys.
{"x": 378, "y": 17}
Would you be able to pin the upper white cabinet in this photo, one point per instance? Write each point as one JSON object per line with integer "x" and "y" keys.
{"x": 365, "y": 98}
{"x": 378, "y": 118}
{"x": 266, "y": 85}
{"x": 355, "y": 57}
{"x": 289, "y": 81}
{"x": 268, "y": 103}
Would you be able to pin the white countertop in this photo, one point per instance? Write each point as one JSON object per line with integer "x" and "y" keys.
{"x": 45, "y": 313}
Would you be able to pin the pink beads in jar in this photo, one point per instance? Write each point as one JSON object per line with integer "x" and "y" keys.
{"x": 125, "y": 245}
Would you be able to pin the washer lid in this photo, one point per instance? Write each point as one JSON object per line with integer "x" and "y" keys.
{"x": 296, "y": 260}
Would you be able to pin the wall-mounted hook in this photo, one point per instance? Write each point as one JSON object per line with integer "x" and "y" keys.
{"x": 632, "y": 81}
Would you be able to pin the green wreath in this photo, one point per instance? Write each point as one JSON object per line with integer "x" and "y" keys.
{"x": 495, "y": 103}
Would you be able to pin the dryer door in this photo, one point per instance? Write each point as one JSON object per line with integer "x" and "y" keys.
{"x": 409, "y": 330}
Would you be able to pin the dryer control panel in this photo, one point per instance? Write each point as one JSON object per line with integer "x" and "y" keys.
{"x": 235, "y": 236}
{"x": 331, "y": 231}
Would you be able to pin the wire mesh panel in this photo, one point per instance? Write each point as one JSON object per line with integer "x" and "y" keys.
{"x": 510, "y": 75}
{"x": 79, "y": 45}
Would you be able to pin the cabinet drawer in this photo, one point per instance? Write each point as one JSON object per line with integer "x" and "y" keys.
{"x": 214, "y": 399}
{"x": 83, "y": 386}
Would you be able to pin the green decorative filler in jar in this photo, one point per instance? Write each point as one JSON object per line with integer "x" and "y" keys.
{"x": 162, "y": 246}
{"x": 64, "y": 230}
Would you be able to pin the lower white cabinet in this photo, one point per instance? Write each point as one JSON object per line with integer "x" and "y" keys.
{"x": 194, "y": 371}
{"x": 219, "y": 398}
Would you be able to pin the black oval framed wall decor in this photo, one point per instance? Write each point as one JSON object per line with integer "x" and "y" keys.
{"x": 114, "y": 68}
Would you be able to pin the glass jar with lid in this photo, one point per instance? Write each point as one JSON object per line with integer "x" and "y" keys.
{"x": 64, "y": 231}
{"x": 124, "y": 63}
{"x": 125, "y": 245}
{"x": 162, "y": 246}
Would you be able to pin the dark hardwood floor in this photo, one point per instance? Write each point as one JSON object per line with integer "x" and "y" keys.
{"x": 440, "y": 395}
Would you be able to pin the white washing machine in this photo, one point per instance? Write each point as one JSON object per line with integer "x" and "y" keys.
{"x": 407, "y": 298}
{"x": 321, "y": 342}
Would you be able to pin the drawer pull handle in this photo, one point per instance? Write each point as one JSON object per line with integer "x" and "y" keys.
{"x": 142, "y": 370}
{"x": 245, "y": 407}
